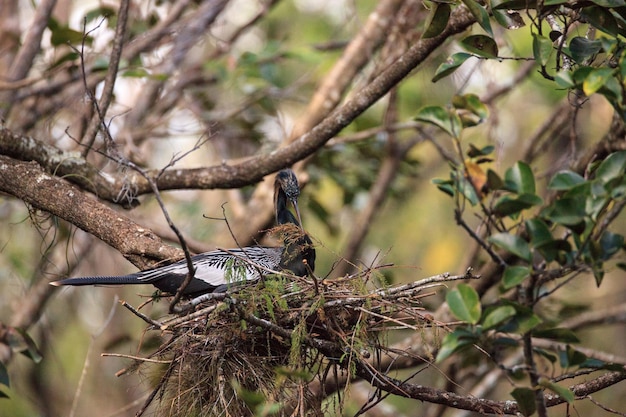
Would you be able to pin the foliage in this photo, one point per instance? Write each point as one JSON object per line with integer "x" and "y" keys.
{"x": 485, "y": 137}
{"x": 578, "y": 63}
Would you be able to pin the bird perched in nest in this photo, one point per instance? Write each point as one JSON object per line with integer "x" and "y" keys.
{"x": 218, "y": 269}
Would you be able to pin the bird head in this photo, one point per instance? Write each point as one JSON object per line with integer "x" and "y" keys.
{"x": 286, "y": 189}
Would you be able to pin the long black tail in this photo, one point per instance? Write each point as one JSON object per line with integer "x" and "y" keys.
{"x": 119, "y": 280}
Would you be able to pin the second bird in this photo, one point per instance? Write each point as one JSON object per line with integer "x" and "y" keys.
{"x": 217, "y": 269}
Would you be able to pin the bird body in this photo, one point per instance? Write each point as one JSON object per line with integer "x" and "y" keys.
{"x": 213, "y": 270}
{"x": 218, "y": 269}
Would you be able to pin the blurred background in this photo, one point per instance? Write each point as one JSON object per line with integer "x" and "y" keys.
{"x": 240, "y": 77}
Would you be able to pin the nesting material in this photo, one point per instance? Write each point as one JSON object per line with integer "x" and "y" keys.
{"x": 266, "y": 348}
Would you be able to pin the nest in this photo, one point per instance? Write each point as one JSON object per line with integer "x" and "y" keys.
{"x": 259, "y": 350}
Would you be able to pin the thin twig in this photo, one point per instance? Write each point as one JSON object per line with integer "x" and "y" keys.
{"x": 142, "y": 316}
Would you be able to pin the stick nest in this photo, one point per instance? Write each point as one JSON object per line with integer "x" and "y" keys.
{"x": 260, "y": 349}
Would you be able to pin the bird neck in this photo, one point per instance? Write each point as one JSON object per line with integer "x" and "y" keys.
{"x": 283, "y": 215}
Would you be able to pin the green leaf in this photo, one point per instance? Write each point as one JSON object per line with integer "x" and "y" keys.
{"x": 4, "y": 376}
{"x": 437, "y": 19}
{"x": 474, "y": 152}
{"x": 467, "y": 190}
{"x": 520, "y": 179}
{"x": 563, "y": 392}
{"x": 522, "y": 322}
{"x": 596, "y": 79}
{"x": 512, "y": 243}
{"x": 455, "y": 341}
{"x": 497, "y": 316}
{"x": 481, "y": 45}
{"x": 565, "y": 180}
{"x": 514, "y": 275}
{"x": 548, "y": 355}
{"x": 564, "y": 79}
{"x": 64, "y": 35}
{"x": 439, "y": 116}
{"x": 451, "y": 65}
{"x": 558, "y": 334}
{"x": 583, "y": 48}
{"x": 609, "y": 4}
{"x": 539, "y": 233}
{"x": 445, "y": 186}
{"x": 506, "y": 18}
{"x": 515, "y": 5}
{"x": 610, "y": 243}
{"x": 136, "y": 73}
{"x": 612, "y": 167}
{"x": 464, "y": 303}
{"x": 567, "y": 211}
{"x": 542, "y": 49}
{"x": 507, "y": 205}
{"x": 481, "y": 15}
{"x": 525, "y": 398}
{"x": 20, "y": 341}
{"x": 104, "y": 11}
{"x": 472, "y": 103}
{"x": 600, "y": 18}
{"x": 494, "y": 182}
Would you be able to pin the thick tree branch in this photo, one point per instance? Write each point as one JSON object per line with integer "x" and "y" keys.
{"x": 31, "y": 184}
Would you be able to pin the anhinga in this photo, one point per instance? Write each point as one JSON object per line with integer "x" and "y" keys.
{"x": 217, "y": 269}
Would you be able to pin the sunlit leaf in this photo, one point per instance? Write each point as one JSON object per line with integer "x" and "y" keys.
{"x": 596, "y": 80}
{"x": 512, "y": 243}
{"x": 497, "y": 316}
{"x": 464, "y": 303}
{"x": 451, "y": 65}
{"x": 476, "y": 175}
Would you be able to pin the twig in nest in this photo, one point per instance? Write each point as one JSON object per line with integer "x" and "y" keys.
{"x": 142, "y": 316}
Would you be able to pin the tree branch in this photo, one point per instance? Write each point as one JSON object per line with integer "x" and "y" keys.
{"x": 28, "y": 182}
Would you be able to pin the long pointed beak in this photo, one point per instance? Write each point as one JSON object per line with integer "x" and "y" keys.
{"x": 294, "y": 202}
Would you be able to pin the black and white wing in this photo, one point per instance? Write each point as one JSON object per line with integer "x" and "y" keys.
{"x": 214, "y": 270}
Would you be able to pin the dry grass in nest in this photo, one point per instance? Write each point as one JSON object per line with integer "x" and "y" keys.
{"x": 255, "y": 351}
